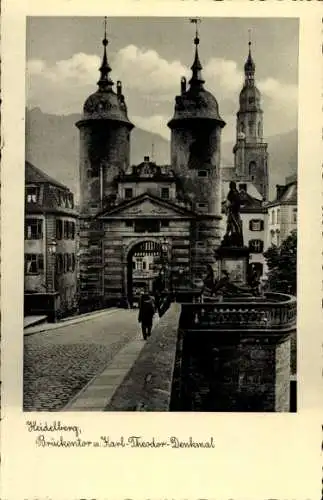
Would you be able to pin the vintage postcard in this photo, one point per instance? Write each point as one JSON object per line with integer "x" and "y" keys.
{"x": 161, "y": 251}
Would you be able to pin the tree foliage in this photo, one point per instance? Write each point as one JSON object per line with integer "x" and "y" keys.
{"x": 282, "y": 265}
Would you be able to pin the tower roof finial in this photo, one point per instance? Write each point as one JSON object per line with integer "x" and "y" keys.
{"x": 105, "y": 81}
{"x": 105, "y": 28}
{"x": 249, "y": 67}
{"x": 196, "y": 67}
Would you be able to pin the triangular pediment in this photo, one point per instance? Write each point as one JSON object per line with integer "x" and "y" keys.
{"x": 147, "y": 206}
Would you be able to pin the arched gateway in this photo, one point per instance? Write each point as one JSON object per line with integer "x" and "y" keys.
{"x": 143, "y": 263}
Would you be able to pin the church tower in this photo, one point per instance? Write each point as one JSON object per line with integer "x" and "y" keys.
{"x": 104, "y": 141}
{"x": 104, "y": 155}
{"x": 250, "y": 150}
{"x": 195, "y": 157}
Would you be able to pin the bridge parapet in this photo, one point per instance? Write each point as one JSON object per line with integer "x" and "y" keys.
{"x": 233, "y": 355}
{"x": 274, "y": 311}
{"x": 148, "y": 385}
{"x": 237, "y": 354}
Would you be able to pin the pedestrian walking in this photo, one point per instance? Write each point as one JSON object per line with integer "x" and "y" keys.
{"x": 146, "y": 313}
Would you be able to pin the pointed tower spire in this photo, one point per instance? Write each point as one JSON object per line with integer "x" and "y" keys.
{"x": 105, "y": 83}
{"x": 249, "y": 67}
{"x": 197, "y": 79}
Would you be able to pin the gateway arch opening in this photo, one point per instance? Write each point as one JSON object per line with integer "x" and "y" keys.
{"x": 143, "y": 268}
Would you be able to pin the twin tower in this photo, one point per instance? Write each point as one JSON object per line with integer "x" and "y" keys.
{"x": 196, "y": 128}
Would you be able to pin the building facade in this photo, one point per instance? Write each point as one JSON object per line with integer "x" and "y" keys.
{"x": 167, "y": 216}
{"x": 50, "y": 245}
{"x": 282, "y": 212}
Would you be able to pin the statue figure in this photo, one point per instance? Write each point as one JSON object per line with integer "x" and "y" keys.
{"x": 233, "y": 235}
{"x": 224, "y": 286}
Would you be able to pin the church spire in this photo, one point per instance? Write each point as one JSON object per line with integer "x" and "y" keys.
{"x": 249, "y": 67}
{"x": 105, "y": 82}
{"x": 197, "y": 79}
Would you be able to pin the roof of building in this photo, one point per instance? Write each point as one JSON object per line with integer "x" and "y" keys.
{"x": 245, "y": 188}
{"x": 148, "y": 171}
{"x": 48, "y": 199}
{"x": 291, "y": 178}
{"x": 195, "y": 103}
{"x": 250, "y": 97}
{"x": 34, "y": 175}
{"x": 116, "y": 210}
{"x": 287, "y": 196}
{"x": 105, "y": 103}
{"x": 249, "y": 64}
{"x": 249, "y": 204}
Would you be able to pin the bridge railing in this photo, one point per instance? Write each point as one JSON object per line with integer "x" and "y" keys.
{"x": 149, "y": 384}
{"x": 274, "y": 311}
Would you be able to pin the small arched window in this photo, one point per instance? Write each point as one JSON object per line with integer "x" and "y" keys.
{"x": 259, "y": 129}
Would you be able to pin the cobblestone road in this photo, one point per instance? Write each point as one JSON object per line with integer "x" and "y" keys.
{"x": 60, "y": 362}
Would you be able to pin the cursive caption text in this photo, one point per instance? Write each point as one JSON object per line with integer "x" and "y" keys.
{"x": 59, "y": 435}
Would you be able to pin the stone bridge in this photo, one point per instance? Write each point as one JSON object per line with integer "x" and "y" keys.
{"x": 217, "y": 356}
{"x": 229, "y": 355}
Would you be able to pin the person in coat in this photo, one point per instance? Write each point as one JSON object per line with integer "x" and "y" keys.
{"x": 146, "y": 313}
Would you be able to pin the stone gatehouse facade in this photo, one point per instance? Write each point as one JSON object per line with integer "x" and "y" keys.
{"x": 130, "y": 214}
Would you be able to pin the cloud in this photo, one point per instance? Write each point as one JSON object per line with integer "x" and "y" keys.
{"x": 151, "y": 83}
{"x": 36, "y": 67}
{"x": 147, "y": 72}
{"x": 154, "y": 123}
{"x": 223, "y": 77}
{"x": 278, "y": 91}
{"x": 79, "y": 70}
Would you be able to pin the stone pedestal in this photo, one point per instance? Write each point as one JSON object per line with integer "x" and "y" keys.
{"x": 235, "y": 261}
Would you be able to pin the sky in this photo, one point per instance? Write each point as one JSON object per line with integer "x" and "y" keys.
{"x": 150, "y": 55}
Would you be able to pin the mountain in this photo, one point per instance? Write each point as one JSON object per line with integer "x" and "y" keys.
{"x": 52, "y": 145}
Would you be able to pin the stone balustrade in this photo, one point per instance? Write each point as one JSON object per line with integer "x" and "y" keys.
{"x": 274, "y": 311}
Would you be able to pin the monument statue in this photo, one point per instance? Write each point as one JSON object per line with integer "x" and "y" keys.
{"x": 224, "y": 286}
{"x": 233, "y": 235}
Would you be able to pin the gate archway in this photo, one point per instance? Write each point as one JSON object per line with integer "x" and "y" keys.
{"x": 143, "y": 261}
